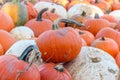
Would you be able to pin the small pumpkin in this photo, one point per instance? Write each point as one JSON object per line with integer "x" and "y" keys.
{"x": 105, "y": 43}
{"x": 93, "y": 64}
{"x": 59, "y": 44}
{"x": 17, "y": 11}
{"x": 6, "y": 22}
{"x": 22, "y": 32}
{"x": 116, "y": 14}
{"x": 39, "y": 24}
{"x": 6, "y": 40}
{"x": 54, "y": 72}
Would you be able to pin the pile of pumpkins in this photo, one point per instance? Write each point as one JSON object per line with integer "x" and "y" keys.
{"x": 59, "y": 40}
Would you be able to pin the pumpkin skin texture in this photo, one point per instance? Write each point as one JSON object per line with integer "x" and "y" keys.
{"x": 1, "y": 50}
{"x": 6, "y": 22}
{"x": 17, "y": 11}
{"x": 6, "y": 40}
{"x": 11, "y": 66}
{"x": 93, "y": 64}
{"x": 61, "y": 45}
{"x": 105, "y": 43}
{"x": 110, "y": 33}
{"x": 51, "y": 71}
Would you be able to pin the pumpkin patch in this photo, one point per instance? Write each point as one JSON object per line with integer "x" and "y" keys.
{"x": 59, "y": 40}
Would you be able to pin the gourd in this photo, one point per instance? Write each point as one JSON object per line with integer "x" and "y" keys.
{"x": 93, "y": 64}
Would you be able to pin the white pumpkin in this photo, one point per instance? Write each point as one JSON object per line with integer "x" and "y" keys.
{"x": 93, "y": 64}
{"x": 22, "y": 32}
{"x": 58, "y": 8}
{"x": 27, "y": 49}
{"x": 116, "y": 14}
{"x": 90, "y": 10}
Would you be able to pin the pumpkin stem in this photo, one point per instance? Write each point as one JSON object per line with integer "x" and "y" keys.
{"x": 39, "y": 17}
{"x": 53, "y": 10}
{"x": 80, "y": 32}
{"x": 103, "y": 38}
{"x": 59, "y": 67}
{"x": 96, "y": 16}
{"x": 83, "y": 13}
{"x": 96, "y": 1}
{"x": 56, "y": 23}
{"x": 96, "y": 59}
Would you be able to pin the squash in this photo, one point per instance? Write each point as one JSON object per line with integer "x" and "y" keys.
{"x": 93, "y": 64}
{"x": 18, "y": 48}
{"x": 22, "y": 32}
{"x": 17, "y": 11}
{"x": 90, "y": 10}
{"x": 60, "y": 10}
{"x": 116, "y": 14}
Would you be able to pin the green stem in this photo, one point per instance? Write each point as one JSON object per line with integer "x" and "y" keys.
{"x": 59, "y": 67}
{"x": 83, "y": 13}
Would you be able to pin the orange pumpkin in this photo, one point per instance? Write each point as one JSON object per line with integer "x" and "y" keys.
{"x": 6, "y": 40}
{"x": 106, "y": 44}
{"x": 87, "y": 36}
{"x": 39, "y": 24}
{"x": 110, "y": 33}
{"x": 6, "y": 22}
{"x": 95, "y": 25}
{"x": 59, "y": 44}
{"x": 51, "y": 71}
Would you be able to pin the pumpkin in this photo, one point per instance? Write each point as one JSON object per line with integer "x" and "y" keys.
{"x": 39, "y": 24}
{"x": 105, "y": 43}
{"x": 51, "y": 71}
{"x": 90, "y": 10}
{"x": 102, "y": 4}
{"x": 93, "y": 64}
{"x": 115, "y": 6}
{"x": 18, "y": 48}
{"x": 116, "y": 14}
{"x": 13, "y": 68}
{"x": 22, "y": 32}
{"x": 110, "y": 33}
{"x": 59, "y": 44}
{"x": 6, "y": 22}
{"x": 32, "y": 12}
{"x": 17, "y": 11}
{"x": 87, "y": 36}
{"x": 6, "y": 40}
{"x": 96, "y": 24}
{"x": 60, "y": 10}
{"x": 1, "y": 50}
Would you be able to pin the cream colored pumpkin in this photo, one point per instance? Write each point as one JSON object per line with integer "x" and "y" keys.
{"x": 116, "y": 14}
{"x": 93, "y": 64}
{"x": 58, "y": 8}
{"x": 90, "y": 10}
{"x": 20, "y": 46}
{"x": 22, "y": 32}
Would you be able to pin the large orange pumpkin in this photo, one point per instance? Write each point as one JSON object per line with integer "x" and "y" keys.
{"x": 6, "y": 22}
{"x": 6, "y": 40}
{"x": 106, "y": 44}
{"x": 51, "y": 71}
{"x": 39, "y": 24}
{"x": 13, "y": 68}
{"x": 59, "y": 44}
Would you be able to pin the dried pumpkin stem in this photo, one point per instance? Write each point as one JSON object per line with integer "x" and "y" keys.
{"x": 56, "y": 22}
{"x": 83, "y": 13}
{"x": 96, "y": 1}
{"x": 39, "y": 17}
{"x": 96, "y": 59}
